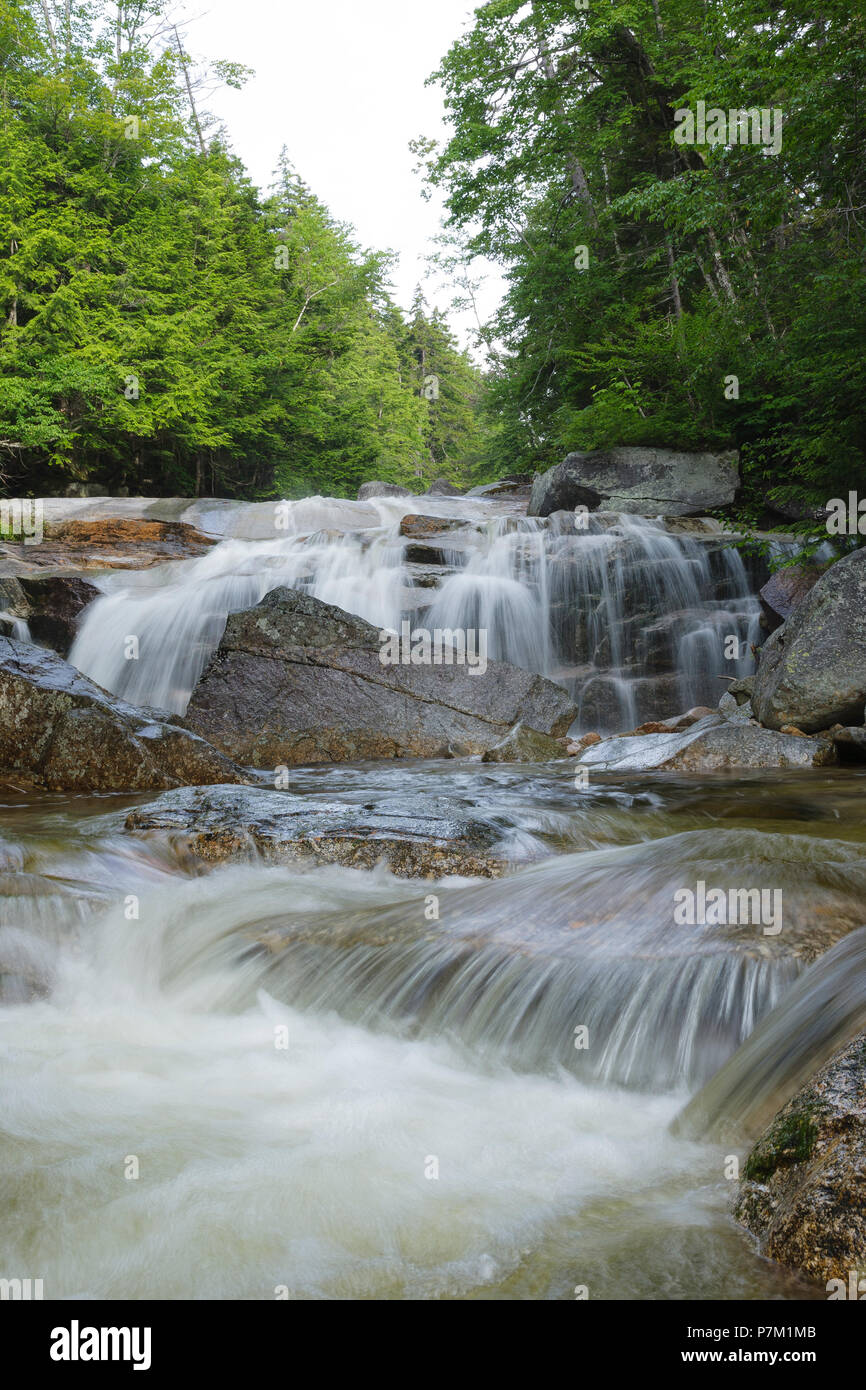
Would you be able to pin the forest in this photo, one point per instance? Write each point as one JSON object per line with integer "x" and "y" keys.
{"x": 169, "y": 328}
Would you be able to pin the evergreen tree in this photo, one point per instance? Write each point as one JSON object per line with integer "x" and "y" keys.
{"x": 164, "y": 327}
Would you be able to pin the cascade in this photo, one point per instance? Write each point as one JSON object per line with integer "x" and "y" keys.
{"x": 631, "y": 618}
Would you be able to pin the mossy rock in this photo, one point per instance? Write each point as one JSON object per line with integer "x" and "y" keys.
{"x": 790, "y": 1139}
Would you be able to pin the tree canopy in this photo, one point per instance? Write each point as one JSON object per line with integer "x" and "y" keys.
{"x": 664, "y": 292}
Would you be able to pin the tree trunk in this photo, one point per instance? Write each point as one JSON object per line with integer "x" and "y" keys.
{"x": 675, "y": 284}
{"x": 576, "y": 170}
{"x": 186, "y": 77}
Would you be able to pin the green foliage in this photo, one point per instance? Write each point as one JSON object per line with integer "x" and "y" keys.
{"x": 705, "y": 263}
{"x": 164, "y": 327}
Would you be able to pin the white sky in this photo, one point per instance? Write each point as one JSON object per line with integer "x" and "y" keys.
{"x": 341, "y": 84}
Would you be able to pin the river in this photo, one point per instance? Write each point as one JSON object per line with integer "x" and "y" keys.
{"x": 249, "y": 1082}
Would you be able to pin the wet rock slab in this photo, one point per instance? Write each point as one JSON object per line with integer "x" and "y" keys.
{"x": 63, "y": 732}
{"x": 713, "y": 744}
{"x": 80, "y": 544}
{"x": 219, "y": 824}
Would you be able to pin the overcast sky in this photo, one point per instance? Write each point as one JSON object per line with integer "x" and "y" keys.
{"x": 341, "y": 84}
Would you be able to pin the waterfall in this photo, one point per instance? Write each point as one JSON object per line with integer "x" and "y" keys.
{"x": 18, "y": 627}
{"x": 631, "y": 619}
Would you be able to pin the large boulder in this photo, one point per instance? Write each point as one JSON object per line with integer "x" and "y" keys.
{"x": 416, "y": 839}
{"x": 443, "y": 487}
{"x": 649, "y": 482}
{"x": 712, "y": 744}
{"x": 377, "y": 489}
{"x": 297, "y": 681}
{"x": 61, "y": 731}
{"x": 803, "y": 1194}
{"x": 785, "y": 590}
{"x": 812, "y": 672}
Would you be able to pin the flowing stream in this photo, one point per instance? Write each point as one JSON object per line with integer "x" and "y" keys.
{"x": 249, "y": 1082}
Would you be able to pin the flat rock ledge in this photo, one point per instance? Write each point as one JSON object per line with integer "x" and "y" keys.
{"x": 229, "y": 824}
{"x": 76, "y": 544}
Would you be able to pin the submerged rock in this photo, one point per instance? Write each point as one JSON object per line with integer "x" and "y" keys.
{"x": 230, "y": 823}
{"x": 712, "y": 744}
{"x": 812, "y": 671}
{"x": 804, "y": 1193}
{"x": 650, "y": 482}
{"x": 296, "y": 681}
{"x": 62, "y": 731}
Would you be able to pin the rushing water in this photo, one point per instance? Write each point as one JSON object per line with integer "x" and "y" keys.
{"x": 413, "y": 1046}
{"x": 248, "y": 1081}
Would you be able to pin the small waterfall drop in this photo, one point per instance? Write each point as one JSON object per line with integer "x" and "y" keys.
{"x": 823, "y": 1011}
{"x": 19, "y": 628}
